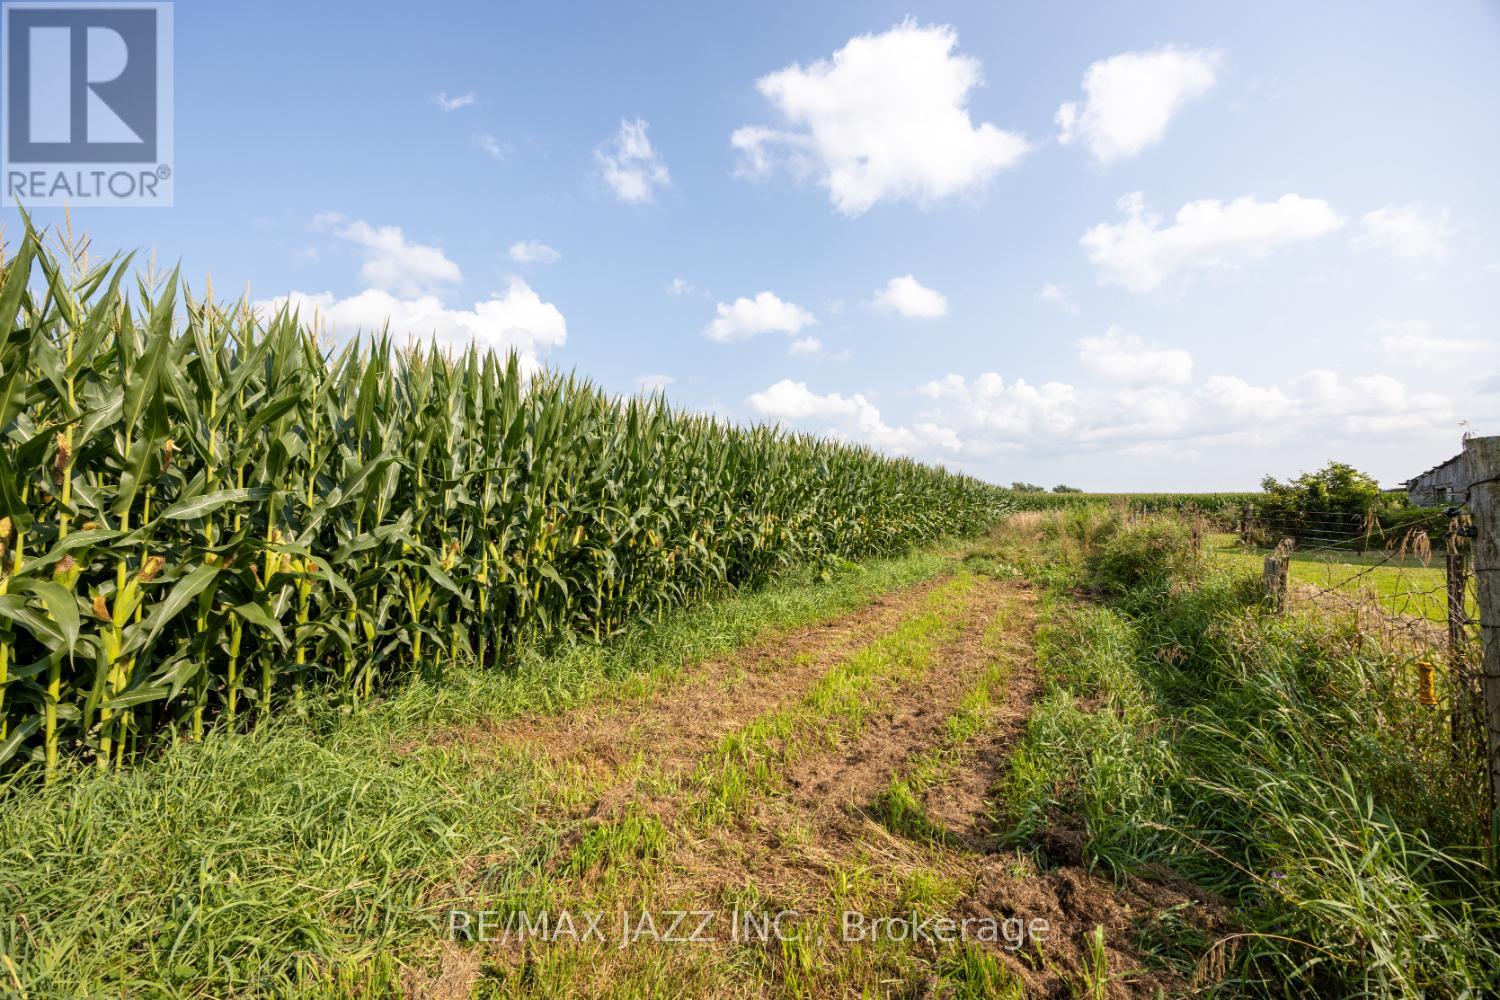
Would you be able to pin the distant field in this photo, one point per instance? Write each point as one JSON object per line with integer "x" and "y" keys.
{"x": 1206, "y": 503}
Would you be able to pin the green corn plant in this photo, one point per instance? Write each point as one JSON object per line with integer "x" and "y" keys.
{"x": 207, "y": 513}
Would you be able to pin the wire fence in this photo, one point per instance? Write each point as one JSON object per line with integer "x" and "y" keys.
{"x": 1411, "y": 588}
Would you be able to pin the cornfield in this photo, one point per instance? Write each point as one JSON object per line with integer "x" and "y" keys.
{"x": 207, "y": 515}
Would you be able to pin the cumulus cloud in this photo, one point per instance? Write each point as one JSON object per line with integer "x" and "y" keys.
{"x": 766, "y": 313}
{"x": 446, "y": 103}
{"x": 991, "y": 415}
{"x": 1411, "y": 344}
{"x": 1124, "y": 357}
{"x": 402, "y": 283}
{"x": 906, "y": 296}
{"x": 1142, "y": 255}
{"x": 969, "y": 419}
{"x": 807, "y": 346}
{"x": 516, "y": 320}
{"x": 630, "y": 166}
{"x": 853, "y": 418}
{"x": 1240, "y": 402}
{"x": 1413, "y": 232}
{"x": 533, "y": 252}
{"x": 885, "y": 118}
{"x": 391, "y": 262}
{"x": 1133, "y": 96}
{"x": 1058, "y": 296}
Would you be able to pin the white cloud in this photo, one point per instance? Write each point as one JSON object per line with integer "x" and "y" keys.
{"x": 1408, "y": 232}
{"x": 629, "y": 165}
{"x": 1141, "y": 255}
{"x": 853, "y": 418}
{"x": 1124, "y": 357}
{"x": 533, "y": 252}
{"x": 973, "y": 419}
{"x": 1132, "y": 97}
{"x": 1364, "y": 404}
{"x": 908, "y": 297}
{"x": 992, "y": 416}
{"x": 391, "y": 263}
{"x": 653, "y": 383}
{"x": 1242, "y": 402}
{"x": 401, "y": 280}
{"x": 496, "y": 149}
{"x": 1058, "y": 296}
{"x": 1411, "y": 344}
{"x": 680, "y": 286}
{"x": 812, "y": 347}
{"x": 765, "y": 313}
{"x": 517, "y": 320}
{"x": 446, "y": 103}
{"x": 885, "y": 118}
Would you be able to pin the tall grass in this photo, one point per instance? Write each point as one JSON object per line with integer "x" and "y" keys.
{"x": 1283, "y": 762}
{"x": 204, "y": 513}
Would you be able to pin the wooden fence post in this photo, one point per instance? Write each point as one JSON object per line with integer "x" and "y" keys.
{"x": 1458, "y": 626}
{"x": 1245, "y": 524}
{"x": 1275, "y": 575}
{"x": 1482, "y": 467}
{"x": 1457, "y": 579}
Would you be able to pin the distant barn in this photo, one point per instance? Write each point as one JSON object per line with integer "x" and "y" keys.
{"x": 1441, "y": 484}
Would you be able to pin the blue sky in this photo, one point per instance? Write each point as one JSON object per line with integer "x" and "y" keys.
{"x": 1260, "y": 237}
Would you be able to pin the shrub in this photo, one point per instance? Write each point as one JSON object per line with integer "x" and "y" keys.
{"x": 1338, "y": 504}
{"x": 1146, "y": 555}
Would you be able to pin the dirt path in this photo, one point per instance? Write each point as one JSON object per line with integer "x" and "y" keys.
{"x": 850, "y": 766}
{"x": 675, "y": 723}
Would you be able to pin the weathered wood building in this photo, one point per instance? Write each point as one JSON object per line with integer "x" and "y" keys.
{"x": 1442, "y": 484}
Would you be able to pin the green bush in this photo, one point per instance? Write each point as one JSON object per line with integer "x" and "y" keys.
{"x": 1337, "y": 505}
{"x": 1146, "y": 555}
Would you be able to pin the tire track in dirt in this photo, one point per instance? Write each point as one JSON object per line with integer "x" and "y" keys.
{"x": 959, "y": 805}
{"x": 790, "y": 845}
{"x": 830, "y": 793}
{"x": 910, "y": 722}
{"x": 675, "y": 722}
